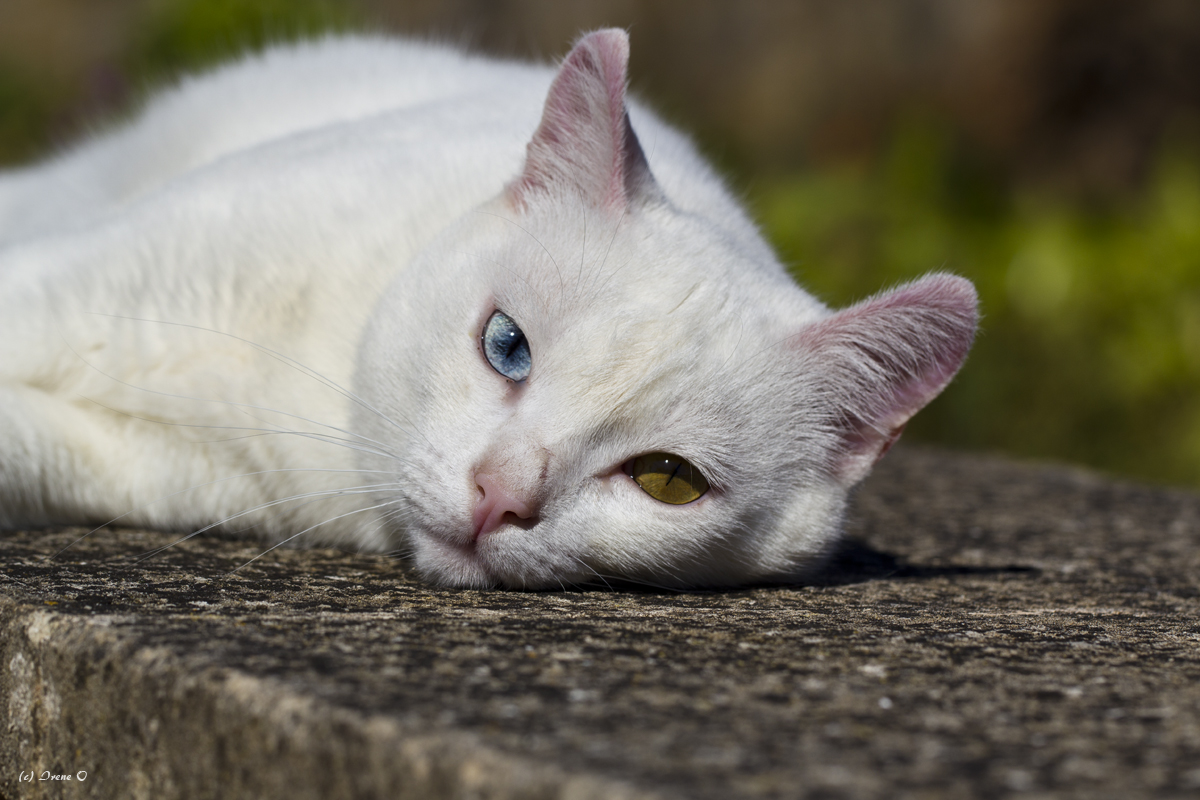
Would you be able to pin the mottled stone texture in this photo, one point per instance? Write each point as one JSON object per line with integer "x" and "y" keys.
{"x": 990, "y": 630}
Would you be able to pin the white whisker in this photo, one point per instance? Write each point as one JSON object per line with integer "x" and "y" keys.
{"x": 194, "y": 487}
{"x": 306, "y": 530}
{"x": 321, "y": 494}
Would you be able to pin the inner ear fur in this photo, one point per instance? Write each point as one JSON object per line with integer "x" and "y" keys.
{"x": 879, "y": 362}
{"x": 585, "y": 141}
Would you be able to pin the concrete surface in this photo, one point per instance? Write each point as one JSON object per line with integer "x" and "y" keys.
{"x": 991, "y": 630}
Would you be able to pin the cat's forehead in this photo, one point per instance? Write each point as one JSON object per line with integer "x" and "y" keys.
{"x": 649, "y": 334}
{"x": 654, "y": 272}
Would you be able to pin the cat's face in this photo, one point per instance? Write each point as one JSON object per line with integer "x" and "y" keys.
{"x": 651, "y": 335}
{"x": 580, "y": 382}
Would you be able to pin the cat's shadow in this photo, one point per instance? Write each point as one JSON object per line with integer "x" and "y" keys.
{"x": 853, "y": 562}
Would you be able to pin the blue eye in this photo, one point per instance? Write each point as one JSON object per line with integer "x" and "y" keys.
{"x": 505, "y": 347}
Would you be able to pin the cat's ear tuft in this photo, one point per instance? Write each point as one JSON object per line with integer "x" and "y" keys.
{"x": 880, "y": 361}
{"x": 585, "y": 142}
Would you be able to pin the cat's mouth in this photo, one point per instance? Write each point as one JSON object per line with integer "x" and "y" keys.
{"x": 481, "y": 536}
{"x": 469, "y": 564}
{"x": 515, "y": 521}
{"x": 471, "y": 560}
{"x": 453, "y": 562}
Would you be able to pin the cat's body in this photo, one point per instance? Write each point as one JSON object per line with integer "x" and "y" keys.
{"x": 262, "y": 304}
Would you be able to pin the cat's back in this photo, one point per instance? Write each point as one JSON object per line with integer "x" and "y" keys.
{"x": 294, "y": 88}
{"x": 260, "y": 99}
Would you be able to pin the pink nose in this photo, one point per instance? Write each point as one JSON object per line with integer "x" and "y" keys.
{"x": 497, "y": 501}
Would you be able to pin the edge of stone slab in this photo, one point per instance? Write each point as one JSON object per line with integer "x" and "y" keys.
{"x": 77, "y": 696}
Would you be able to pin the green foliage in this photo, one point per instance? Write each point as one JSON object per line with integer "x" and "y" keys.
{"x": 189, "y": 34}
{"x": 1090, "y": 343}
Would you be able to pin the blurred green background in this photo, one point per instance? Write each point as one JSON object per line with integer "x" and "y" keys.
{"x": 1047, "y": 149}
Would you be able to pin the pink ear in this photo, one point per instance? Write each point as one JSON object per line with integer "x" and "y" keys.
{"x": 881, "y": 361}
{"x": 585, "y": 142}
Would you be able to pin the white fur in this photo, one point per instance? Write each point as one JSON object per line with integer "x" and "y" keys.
{"x": 260, "y": 303}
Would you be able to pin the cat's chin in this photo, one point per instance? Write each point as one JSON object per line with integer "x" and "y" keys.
{"x": 454, "y": 564}
{"x": 502, "y": 559}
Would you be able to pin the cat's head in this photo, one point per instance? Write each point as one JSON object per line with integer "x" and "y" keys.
{"x": 607, "y": 386}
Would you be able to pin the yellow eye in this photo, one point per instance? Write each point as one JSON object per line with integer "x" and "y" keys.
{"x": 668, "y": 478}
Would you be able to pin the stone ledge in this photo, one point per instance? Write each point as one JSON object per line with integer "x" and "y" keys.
{"x": 147, "y": 724}
{"x": 991, "y": 629}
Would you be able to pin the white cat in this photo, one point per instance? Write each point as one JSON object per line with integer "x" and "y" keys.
{"x": 354, "y": 292}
